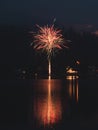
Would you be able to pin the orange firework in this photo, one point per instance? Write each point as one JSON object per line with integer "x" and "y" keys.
{"x": 48, "y": 38}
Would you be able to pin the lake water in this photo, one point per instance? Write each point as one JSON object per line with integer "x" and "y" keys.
{"x": 49, "y": 104}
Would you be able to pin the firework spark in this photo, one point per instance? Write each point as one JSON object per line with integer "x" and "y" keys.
{"x": 48, "y": 38}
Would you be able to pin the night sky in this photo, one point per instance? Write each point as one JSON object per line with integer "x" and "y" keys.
{"x": 19, "y": 17}
{"x": 25, "y": 12}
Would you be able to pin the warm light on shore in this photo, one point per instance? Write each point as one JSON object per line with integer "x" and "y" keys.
{"x": 71, "y": 71}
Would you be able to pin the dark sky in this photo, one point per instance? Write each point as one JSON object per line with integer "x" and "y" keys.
{"x": 18, "y": 12}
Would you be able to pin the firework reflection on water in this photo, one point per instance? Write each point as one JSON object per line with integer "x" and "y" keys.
{"x": 47, "y": 103}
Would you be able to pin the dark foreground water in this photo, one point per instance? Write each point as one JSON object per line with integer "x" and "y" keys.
{"x": 44, "y": 104}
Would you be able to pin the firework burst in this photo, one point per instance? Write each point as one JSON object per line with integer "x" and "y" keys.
{"x": 48, "y": 39}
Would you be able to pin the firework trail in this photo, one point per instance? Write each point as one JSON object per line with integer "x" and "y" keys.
{"x": 48, "y": 39}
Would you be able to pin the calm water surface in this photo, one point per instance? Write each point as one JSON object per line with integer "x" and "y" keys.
{"x": 43, "y": 104}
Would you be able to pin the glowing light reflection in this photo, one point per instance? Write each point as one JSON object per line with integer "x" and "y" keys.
{"x": 72, "y": 77}
{"x": 47, "y": 109}
{"x": 73, "y": 88}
